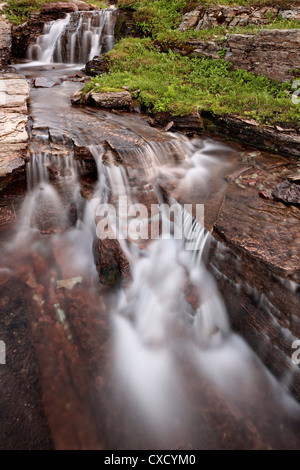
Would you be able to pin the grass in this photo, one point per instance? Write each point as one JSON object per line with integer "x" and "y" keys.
{"x": 170, "y": 83}
{"x": 159, "y": 19}
{"x": 101, "y": 4}
{"x": 18, "y": 11}
{"x": 176, "y": 38}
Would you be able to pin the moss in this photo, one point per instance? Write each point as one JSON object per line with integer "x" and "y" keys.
{"x": 18, "y": 11}
{"x": 177, "y": 84}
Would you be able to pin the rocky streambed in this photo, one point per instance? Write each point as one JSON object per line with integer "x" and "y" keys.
{"x": 62, "y": 287}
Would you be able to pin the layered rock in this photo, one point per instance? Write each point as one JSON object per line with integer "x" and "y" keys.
{"x": 274, "y": 53}
{"x": 232, "y": 16}
{"x": 14, "y": 96}
{"x": 26, "y": 34}
{"x": 5, "y": 42}
{"x": 106, "y": 100}
{"x": 65, "y": 7}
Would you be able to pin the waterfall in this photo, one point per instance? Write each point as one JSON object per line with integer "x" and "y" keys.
{"x": 76, "y": 39}
{"x": 159, "y": 351}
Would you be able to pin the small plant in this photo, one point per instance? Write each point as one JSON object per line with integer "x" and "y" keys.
{"x": 222, "y": 52}
{"x": 18, "y": 11}
{"x": 179, "y": 85}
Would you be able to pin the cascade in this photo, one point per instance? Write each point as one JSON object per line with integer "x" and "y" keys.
{"x": 76, "y": 39}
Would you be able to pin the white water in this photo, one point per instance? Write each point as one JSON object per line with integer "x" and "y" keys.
{"x": 157, "y": 332}
{"x": 75, "y": 39}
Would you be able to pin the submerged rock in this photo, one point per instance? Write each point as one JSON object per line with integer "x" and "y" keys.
{"x": 287, "y": 192}
{"x": 42, "y": 82}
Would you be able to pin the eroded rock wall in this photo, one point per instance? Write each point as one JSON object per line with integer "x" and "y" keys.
{"x": 274, "y": 53}
{"x": 5, "y": 42}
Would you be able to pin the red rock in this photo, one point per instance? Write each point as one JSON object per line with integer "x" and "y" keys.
{"x": 60, "y": 6}
{"x": 264, "y": 194}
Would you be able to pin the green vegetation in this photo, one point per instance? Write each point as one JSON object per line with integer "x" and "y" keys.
{"x": 99, "y": 3}
{"x": 169, "y": 82}
{"x": 159, "y": 20}
{"x": 18, "y": 11}
{"x": 159, "y": 17}
{"x": 165, "y": 81}
{"x": 282, "y": 23}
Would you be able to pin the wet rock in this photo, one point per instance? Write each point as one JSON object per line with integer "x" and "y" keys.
{"x": 109, "y": 100}
{"x": 68, "y": 283}
{"x": 111, "y": 263}
{"x": 287, "y": 192}
{"x": 23, "y": 423}
{"x": 190, "y": 123}
{"x": 264, "y": 194}
{"x": 59, "y": 7}
{"x": 42, "y": 82}
{"x": 112, "y": 100}
{"x": 46, "y": 68}
{"x": 78, "y": 98}
{"x": 97, "y": 66}
{"x": 168, "y": 126}
{"x": 243, "y": 130}
{"x": 256, "y": 226}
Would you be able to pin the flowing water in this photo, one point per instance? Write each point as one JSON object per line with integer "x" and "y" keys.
{"x": 179, "y": 376}
{"x": 75, "y": 39}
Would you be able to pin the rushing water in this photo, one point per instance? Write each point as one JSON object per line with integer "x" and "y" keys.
{"x": 75, "y": 39}
{"x": 180, "y": 377}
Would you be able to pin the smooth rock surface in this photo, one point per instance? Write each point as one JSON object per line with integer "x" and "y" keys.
{"x": 42, "y": 82}
{"x": 255, "y": 227}
{"x": 14, "y": 95}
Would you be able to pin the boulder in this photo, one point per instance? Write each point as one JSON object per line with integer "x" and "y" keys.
{"x": 287, "y": 192}
{"x": 59, "y": 7}
{"x": 97, "y": 66}
{"x": 42, "y": 82}
{"x": 112, "y": 100}
{"x": 82, "y": 6}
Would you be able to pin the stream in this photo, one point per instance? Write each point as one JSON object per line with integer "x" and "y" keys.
{"x": 132, "y": 336}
